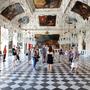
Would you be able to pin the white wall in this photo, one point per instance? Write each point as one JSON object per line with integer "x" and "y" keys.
{"x": 15, "y": 38}
{"x": 4, "y": 39}
{"x": 88, "y": 40}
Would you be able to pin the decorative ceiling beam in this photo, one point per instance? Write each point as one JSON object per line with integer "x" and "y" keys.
{"x": 68, "y": 6}
{"x": 30, "y": 5}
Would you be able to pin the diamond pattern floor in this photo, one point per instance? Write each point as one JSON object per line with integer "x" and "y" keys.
{"x": 23, "y": 78}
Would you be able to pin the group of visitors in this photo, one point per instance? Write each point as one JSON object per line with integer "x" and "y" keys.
{"x": 47, "y": 56}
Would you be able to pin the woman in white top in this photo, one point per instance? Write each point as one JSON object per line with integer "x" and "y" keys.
{"x": 50, "y": 58}
{"x": 75, "y": 62}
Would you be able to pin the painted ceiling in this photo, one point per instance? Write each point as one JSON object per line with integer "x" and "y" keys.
{"x": 45, "y": 14}
{"x": 47, "y": 20}
{"x": 12, "y": 10}
{"x": 47, "y": 3}
{"x": 82, "y": 9}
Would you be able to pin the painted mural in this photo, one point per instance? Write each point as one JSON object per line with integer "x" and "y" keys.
{"x": 50, "y": 39}
{"x": 82, "y": 9}
{"x": 47, "y": 3}
{"x": 24, "y": 20}
{"x": 47, "y": 20}
{"x": 12, "y": 10}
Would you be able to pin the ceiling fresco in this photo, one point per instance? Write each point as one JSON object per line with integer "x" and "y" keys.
{"x": 47, "y": 3}
{"x": 24, "y": 20}
{"x": 82, "y": 9}
{"x": 12, "y": 10}
{"x": 47, "y": 20}
{"x": 70, "y": 20}
{"x": 45, "y": 14}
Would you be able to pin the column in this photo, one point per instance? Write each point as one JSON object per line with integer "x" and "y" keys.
{"x": 80, "y": 39}
{"x": 15, "y": 38}
{"x": 4, "y": 39}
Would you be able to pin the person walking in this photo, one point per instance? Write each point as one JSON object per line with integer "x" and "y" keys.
{"x": 70, "y": 55}
{"x": 18, "y": 52}
{"x": 4, "y": 53}
{"x": 44, "y": 53}
{"x": 14, "y": 53}
{"x": 75, "y": 62}
{"x": 35, "y": 57}
{"x": 29, "y": 55}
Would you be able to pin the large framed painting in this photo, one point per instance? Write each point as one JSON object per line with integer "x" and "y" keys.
{"x": 47, "y": 3}
{"x": 12, "y": 10}
{"x": 82, "y": 9}
{"x": 49, "y": 39}
{"x": 47, "y": 20}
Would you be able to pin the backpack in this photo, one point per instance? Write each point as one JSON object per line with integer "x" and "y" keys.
{"x": 13, "y": 51}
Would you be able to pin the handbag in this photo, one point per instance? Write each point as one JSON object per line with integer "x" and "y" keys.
{"x": 38, "y": 56}
{"x": 26, "y": 54}
{"x": 36, "y": 59}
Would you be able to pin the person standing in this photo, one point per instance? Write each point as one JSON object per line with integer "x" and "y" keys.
{"x": 61, "y": 53}
{"x": 70, "y": 55}
{"x": 14, "y": 53}
{"x": 4, "y": 53}
{"x": 29, "y": 55}
{"x": 44, "y": 53}
{"x": 50, "y": 58}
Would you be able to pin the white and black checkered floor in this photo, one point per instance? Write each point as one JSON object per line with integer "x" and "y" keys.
{"x": 23, "y": 78}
